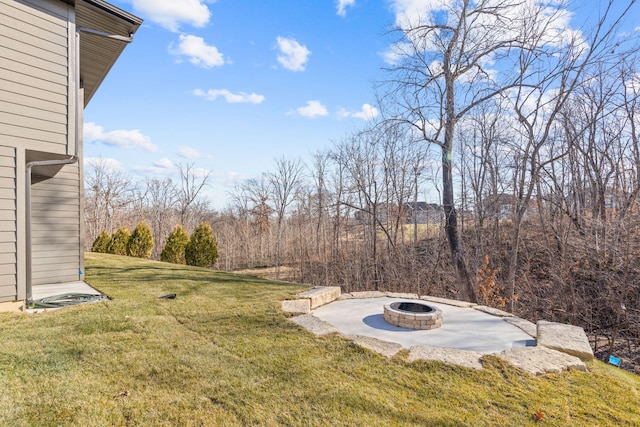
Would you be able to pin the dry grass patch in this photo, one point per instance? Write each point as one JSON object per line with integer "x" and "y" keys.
{"x": 222, "y": 353}
{"x": 285, "y": 273}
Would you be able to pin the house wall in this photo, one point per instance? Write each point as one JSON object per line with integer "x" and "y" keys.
{"x": 34, "y": 74}
{"x": 36, "y": 115}
{"x": 8, "y": 224}
{"x": 55, "y": 228}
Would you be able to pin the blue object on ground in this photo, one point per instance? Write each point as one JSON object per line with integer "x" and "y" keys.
{"x": 614, "y": 361}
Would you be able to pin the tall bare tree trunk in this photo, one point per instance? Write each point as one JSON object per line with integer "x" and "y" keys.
{"x": 448, "y": 202}
{"x": 451, "y": 228}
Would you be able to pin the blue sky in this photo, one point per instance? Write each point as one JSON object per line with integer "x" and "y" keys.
{"x": 232, "y": 85}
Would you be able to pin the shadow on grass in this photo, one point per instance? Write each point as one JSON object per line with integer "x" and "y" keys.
{"x": 146, "y": 274}
{"x": 131, "y": 278}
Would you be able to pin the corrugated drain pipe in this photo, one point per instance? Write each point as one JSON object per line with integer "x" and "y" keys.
{"x": 74, "y": 77}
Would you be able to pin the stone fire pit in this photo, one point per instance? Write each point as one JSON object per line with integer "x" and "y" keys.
{"x": 413, "y": 315}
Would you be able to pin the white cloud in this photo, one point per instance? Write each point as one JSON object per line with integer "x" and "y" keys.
{"x": 170, "y": 14}
{"x": 313, "y": 109}
{"x": 201, "y": 172}
{"x": 230, "y": 178}
{"x": 191, "y": 153}
{"x": 200, "y": 53}
{"x": 188, "y": 152}
{"x": 163, "y": 166}
{"x": 415, "y": 11}
{"x": 632, "y": 84}
{"x": 118, "y": 138}
{"x": 488, "y": 23}
{"x": 342, "y": 6}
{"x": 551, "y": 18}
{"x": 395, "y": 52}
{"x": 110, "y": 164}
{"x": 231, "y": 98}
{"x": 293, "y": 56}
{"x": 367, "y": 112}
{"x": 164, "y": 163}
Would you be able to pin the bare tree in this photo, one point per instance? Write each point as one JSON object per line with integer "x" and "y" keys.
{"x": 483, "y": 137}
{"x": 550, "y": 72}
{"x": 284, "y": 182}
{"x": 443, "y": 72}
{"x": 240, "y": 237}
{"x": 160, "y": 203}
{"x": 253, "y": 197}
{"x": 108, "y": 192}
{"x": 339, "y": 210}
{"x": 360, "y": 158}
{"x": 459, "y": 55}
{"x": 319, "y": 203}
{"x": 192, "y": 181}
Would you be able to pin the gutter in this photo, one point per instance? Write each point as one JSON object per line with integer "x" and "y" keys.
{"x": 125, "y": 39}
{"x": 74, "y": 76}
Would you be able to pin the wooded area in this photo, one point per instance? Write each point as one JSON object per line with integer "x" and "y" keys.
{"x": 505, "y": 169}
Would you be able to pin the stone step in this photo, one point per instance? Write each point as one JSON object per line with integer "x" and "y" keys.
{"x": 296, "y": 306}
{"x": 565, "y": 338}
{"x": 321, "y": 295}
{"x": 541, "y": 360}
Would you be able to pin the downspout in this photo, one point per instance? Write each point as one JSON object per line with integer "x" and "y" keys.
{"x": 75, "y": 78}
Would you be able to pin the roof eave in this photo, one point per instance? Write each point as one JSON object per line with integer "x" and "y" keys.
{"x": 98, "y": 54}
{"x": 116, "y": 11}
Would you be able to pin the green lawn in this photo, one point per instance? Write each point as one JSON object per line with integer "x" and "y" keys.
{"x": 222, "y": 353}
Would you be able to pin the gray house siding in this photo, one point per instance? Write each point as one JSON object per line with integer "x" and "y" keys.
{"x": 33, "y": 74}
{"x": 55, "y": 228}
{"x": 35, "y": 119}
{"x": 8, "y": 226}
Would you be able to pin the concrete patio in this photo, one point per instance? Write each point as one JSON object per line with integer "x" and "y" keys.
{"x": 468, "y": 332}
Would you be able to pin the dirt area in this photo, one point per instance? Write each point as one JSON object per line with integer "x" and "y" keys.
{"x": 286, "y": 274}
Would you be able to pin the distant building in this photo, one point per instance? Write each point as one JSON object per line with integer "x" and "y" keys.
{"x": 410, "y": 213}
{"x": 424, "y": 213}
{"x": 499, "y": 206}
{"x": 54, "y": 56}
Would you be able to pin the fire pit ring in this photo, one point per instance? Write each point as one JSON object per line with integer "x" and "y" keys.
{"x": 413, "y": 315}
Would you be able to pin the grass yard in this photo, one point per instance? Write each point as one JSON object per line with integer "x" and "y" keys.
{"x": 223, "y": 354}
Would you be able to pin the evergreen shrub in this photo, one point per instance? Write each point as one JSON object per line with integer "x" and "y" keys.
{"x": 202, "y": 249}
{"x": 101, "y": 244}
{"x": 119, "y": 239}
{"x": 176, "y": 243}
{"x": 140, "y": 244}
